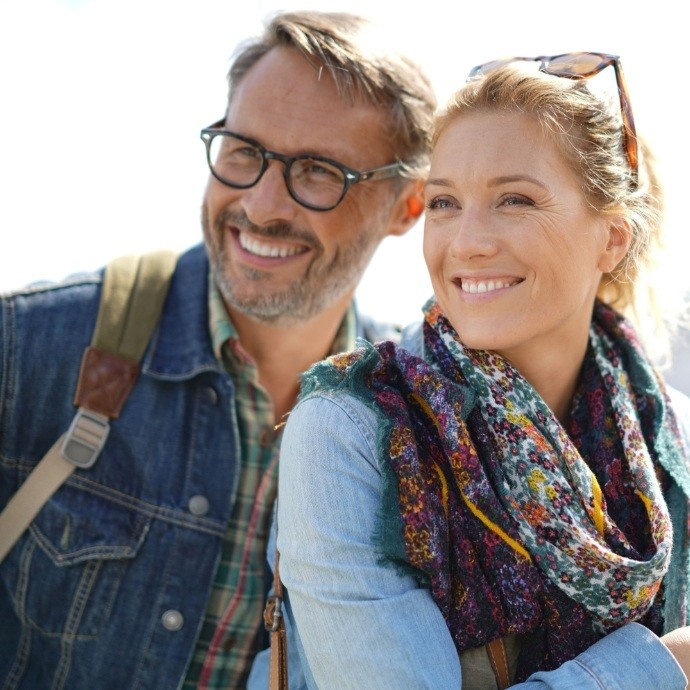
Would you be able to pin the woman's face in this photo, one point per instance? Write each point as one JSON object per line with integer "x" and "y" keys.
{"x": 514, "y": 252}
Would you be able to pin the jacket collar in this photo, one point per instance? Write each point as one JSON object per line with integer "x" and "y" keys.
{"x": 181, "y": 346}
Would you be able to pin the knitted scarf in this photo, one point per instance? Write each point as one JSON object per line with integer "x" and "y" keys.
{"x": 516, "y": 525}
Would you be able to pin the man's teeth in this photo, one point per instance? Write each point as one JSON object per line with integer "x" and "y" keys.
{"x": 477, "y": 286}
{"x": 255, "y": 246}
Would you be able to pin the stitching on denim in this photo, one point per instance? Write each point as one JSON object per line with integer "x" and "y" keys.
{"x": 110, "y": 580}
{"x": 110, "y": 551}
{"x": 590, "y": 673}
{"x": 163, "y": 603}
{"x": 20, "y": 662}
{"x": 24, "y": 644}
{"x": 73, "y": 621}
{"x": 25, "y": 559}
{"x": 9, "y": 337}
{"x": 171, "y": 515}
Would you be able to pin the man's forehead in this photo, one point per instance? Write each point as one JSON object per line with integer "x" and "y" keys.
{"x": 284, "y": 101}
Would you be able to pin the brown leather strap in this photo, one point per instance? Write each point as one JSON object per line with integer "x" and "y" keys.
{"x": 496, "y": 650}
{"x": 274, "y": 623}
{"x": 105, "y": 381}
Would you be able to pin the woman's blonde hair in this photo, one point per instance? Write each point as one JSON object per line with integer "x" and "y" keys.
{"x": 589, "y": 134}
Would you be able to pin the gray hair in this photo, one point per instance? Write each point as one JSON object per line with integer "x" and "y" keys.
{"x": 354, "y": 53}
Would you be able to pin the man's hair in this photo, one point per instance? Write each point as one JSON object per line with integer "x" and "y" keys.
{"x": 351, "y": 49}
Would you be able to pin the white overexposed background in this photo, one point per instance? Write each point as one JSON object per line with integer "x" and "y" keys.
{"x": 101, "y": 103}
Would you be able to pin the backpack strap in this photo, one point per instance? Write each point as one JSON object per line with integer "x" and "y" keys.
{"x": 134, "y": 290}
{"x": 274, "y": 623}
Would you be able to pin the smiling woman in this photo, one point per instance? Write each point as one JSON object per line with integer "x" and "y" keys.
{"x": 514, "y": 471}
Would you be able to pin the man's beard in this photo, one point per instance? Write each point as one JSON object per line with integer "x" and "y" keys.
{"x": 302, "y": 300}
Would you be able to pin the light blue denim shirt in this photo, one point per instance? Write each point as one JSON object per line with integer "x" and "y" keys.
{"x": 354, "y": 623}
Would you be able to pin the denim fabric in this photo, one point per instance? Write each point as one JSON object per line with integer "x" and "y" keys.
{"x": 108, "y": 586}
{"x": 84, "y": 593}
{"x": 355, "y": 623}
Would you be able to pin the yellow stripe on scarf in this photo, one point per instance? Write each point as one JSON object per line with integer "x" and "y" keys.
{"x": 598, "y": 503}
{"x": 496, "y": 529}
{"x": 430, "y": 414}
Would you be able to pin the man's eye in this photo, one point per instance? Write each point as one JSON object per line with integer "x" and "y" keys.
{"x": 315, "y": 170}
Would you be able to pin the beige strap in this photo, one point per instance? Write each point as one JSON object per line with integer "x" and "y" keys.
{"x": 40, "y": 485}
{"x": 274, "y": 623}
{"x": 134, "y": 290}
{"x": 499, "y": 662}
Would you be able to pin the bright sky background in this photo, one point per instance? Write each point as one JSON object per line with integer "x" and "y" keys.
{"x": 101, "y": 103}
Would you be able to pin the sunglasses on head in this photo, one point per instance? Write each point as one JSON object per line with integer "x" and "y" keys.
{"x": 580, "y": 66}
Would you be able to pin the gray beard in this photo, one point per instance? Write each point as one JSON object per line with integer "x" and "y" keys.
{"x": 303, "y": 300}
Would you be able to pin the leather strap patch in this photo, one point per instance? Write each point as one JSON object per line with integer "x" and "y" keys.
{"x": 105, "y": 381}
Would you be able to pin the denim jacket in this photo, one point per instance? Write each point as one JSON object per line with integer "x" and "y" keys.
{"x": 109, "y": 585}
{"x": 355, "y": 623}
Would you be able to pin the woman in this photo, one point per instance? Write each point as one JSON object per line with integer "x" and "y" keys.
{"x": 510, "y": 488}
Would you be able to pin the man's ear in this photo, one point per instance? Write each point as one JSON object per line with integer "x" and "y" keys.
{"x": 407, "y": 208}
{"x": 617, "y": 244}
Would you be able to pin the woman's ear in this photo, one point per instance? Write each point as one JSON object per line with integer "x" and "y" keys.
{"x": 408, "y": 207}
{"x": 619, "y": 236}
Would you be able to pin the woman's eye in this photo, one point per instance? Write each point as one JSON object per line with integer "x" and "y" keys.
{"x": 516, "y": 200}
{"x": 439, "y": 203}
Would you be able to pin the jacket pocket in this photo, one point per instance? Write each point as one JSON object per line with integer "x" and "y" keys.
{"x": 66, "y": 571}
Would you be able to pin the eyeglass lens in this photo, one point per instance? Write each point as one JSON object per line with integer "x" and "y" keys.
{"x": 311, "y": 181}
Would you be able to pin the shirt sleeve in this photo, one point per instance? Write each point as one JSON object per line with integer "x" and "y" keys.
{"x": 360, "y": 624}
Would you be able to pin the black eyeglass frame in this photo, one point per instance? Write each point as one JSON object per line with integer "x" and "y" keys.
{"x": 605, "y": 60}
{"x": 350, "y": 176}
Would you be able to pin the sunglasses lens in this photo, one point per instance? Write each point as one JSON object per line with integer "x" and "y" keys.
{"x": 575, "y": 64}
{"x": 482, "y": 70}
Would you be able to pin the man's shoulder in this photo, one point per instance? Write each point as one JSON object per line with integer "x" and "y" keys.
{"x": 72, "y": 293}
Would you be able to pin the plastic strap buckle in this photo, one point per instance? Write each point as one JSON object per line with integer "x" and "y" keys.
{"x": 85, "y": 438}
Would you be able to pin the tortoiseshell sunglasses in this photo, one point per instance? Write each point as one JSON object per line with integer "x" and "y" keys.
{"x": 581, "y": 66}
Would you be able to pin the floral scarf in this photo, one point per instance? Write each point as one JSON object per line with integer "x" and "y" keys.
{"x": 517, "y": 525}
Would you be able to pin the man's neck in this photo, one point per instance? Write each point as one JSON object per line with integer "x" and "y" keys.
{"x": 282, "y": 353}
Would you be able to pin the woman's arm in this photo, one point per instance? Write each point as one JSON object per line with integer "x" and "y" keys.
{"x": 360, "y": 624}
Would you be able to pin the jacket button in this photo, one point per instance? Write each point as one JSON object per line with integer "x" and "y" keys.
{"x": 198, "y": 505}
{"x": 211, "y": 396}
{"x": 172, "y": 620}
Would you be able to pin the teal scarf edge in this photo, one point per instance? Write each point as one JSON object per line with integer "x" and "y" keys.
{"x": 388, "y": 533}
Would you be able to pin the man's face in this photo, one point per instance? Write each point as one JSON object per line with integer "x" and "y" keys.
{"x": 275, "y": 260}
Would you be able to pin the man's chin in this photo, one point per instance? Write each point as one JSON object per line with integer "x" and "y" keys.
{"x": 276, "y": 312}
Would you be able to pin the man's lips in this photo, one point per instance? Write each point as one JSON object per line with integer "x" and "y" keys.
{"x": 268, "y": 248}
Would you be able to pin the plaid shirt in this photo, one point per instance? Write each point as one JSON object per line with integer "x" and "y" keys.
{"x": 232, "y": 632}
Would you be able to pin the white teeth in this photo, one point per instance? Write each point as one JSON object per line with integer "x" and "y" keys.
{"x": 476, "y": 287}
{"x": 254, "y": 246}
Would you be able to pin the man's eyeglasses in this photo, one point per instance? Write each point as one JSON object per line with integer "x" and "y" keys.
{"x": 315, "y": 182}
{"x": 581, "y": 66}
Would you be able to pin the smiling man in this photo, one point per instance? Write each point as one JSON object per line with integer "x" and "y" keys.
{"x": 148, "y": 570}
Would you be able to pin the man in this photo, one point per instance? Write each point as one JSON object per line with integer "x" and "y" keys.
{"x": 148, "y": 570}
